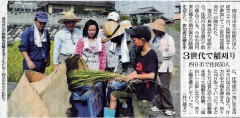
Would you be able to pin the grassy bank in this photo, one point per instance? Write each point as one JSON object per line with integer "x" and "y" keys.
{"x": 175, "y": 26}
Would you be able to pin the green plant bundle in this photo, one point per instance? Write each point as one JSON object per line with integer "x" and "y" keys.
{"x": 78, "y": 78}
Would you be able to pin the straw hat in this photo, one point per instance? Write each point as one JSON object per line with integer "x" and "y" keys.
{"x": 69, "y": 16}
{"x": 109, "y": 27}
{"x": 158, "y": 24}
{"x": 126, "y": 24}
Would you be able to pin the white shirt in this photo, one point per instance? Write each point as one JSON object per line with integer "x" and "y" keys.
{"x": 91, "y": 52}
{"x": 65, "y": 43}
{"x": 167, "y": 46}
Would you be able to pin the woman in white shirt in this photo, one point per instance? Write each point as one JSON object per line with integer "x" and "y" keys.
{"x": 165, "y": 44}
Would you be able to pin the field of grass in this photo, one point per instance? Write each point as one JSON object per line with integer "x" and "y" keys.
{"x": 15, "y": 59}
{"x": 175, "y": 26}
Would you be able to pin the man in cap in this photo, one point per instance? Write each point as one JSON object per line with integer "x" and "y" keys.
{"x": 65, "y": 40}
{"x": 165, "y": 44}
{"x": 145, "y": 70}
{"x": 35, "y": 44}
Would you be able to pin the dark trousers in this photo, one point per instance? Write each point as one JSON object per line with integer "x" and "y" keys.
{"x": 40, "y": 66}
{"x": 163, "y": 97}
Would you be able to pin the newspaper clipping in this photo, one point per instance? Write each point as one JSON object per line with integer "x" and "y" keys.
{"x": 209, "y": 59}
{"x": 119, "y": 58}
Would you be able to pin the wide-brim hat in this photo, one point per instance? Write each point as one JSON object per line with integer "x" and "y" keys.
{"x": 112, "y": 29}
{"x": 69, "y": 16}
{"x": 158, "y": 24}
{"x": 126, "y": 24}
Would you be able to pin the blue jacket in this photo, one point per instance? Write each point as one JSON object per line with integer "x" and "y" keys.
{"x": 27, "y": 44}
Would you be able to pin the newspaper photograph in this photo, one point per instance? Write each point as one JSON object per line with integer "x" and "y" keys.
{"x": 118, "y": 58}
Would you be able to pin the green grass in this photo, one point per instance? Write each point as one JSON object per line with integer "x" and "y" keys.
{"x": 9, "y": 94}
{"x": 15, "y": 59}
{"x": 175, "y": 26}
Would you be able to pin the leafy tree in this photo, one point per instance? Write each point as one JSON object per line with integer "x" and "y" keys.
{"x": 144, "y": 20}
{"x": 80, "y": 10}
{"x": 124, "y": 17}
{"x": 135, "y": 21}
{"x": 155, "y": 18}
{"x": 100, "y": 12}
{"x": 109, "y": 9}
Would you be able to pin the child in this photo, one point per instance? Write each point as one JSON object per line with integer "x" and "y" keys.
{"x": 145, "y": 69}
{"x": 91, "y": 48}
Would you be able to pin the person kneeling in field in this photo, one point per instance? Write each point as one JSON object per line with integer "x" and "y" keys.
{"x": 145, "y": 70}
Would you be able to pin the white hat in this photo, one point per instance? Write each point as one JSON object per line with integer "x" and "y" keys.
{"x": 114, "y": 16}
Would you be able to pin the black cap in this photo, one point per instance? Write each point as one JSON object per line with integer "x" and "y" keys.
{"x": 140, "y": 32}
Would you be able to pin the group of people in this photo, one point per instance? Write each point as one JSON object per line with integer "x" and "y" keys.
{"x": 118, "y": 47}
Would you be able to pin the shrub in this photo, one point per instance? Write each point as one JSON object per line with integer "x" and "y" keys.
{"x": 144, "y": 20}
{"x": 135, "y": 21}
{"x": 124, "y": 17}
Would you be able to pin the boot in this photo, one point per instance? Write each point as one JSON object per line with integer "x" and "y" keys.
{"x": 109, "y": 113}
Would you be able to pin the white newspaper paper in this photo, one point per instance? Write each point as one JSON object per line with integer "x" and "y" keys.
{"x": 3, "y": 58}
{"x": 210, "y": 53}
